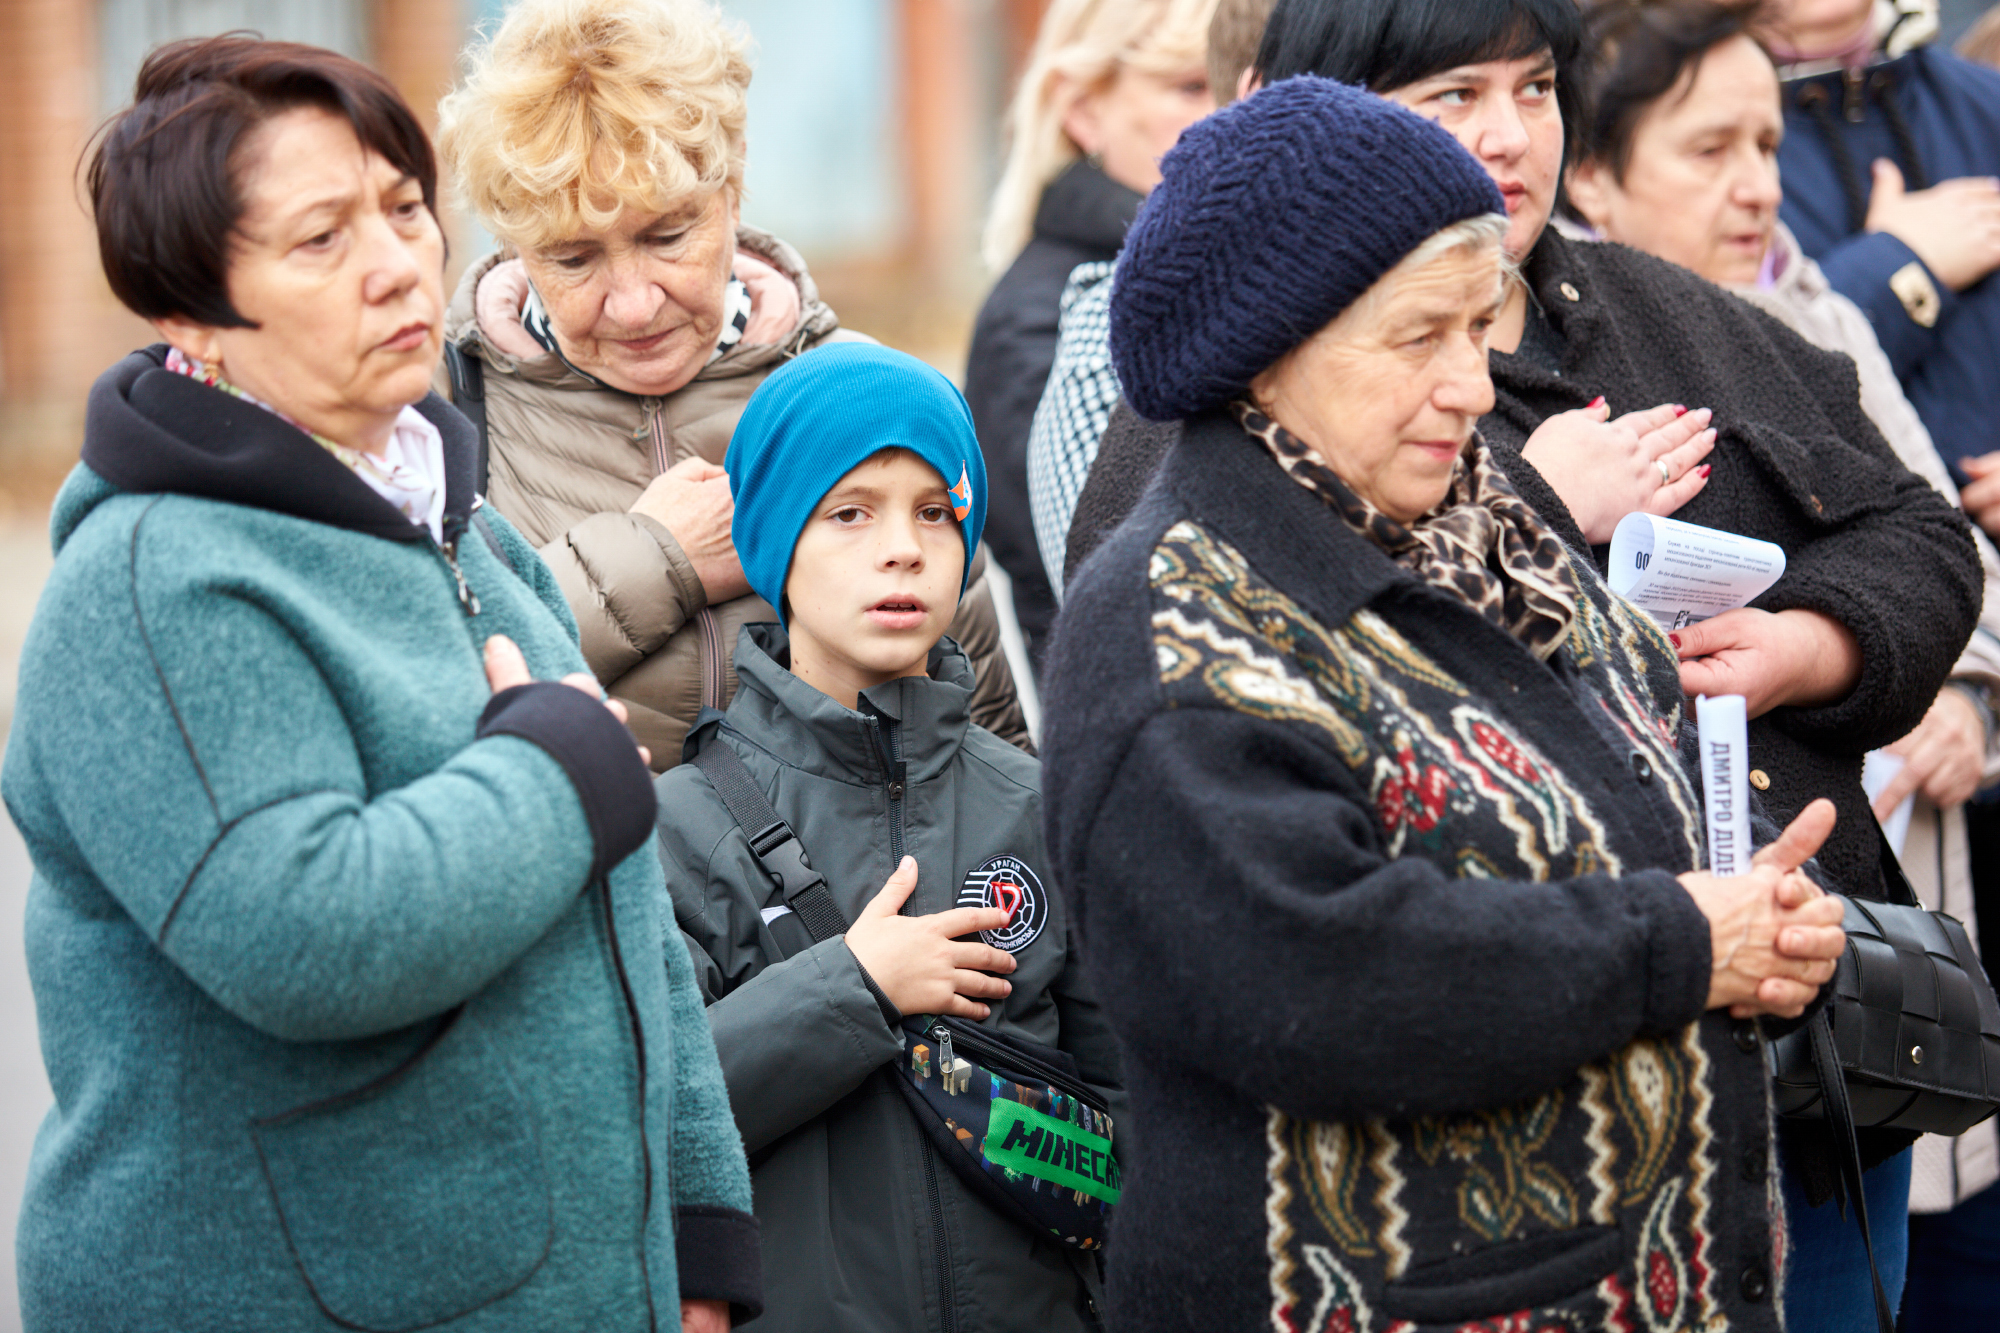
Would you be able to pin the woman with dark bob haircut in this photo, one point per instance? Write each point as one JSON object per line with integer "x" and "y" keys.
{"x": 344, "y": 932}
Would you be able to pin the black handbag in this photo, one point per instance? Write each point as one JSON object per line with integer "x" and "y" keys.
{"x": 1013, "y": 1119}
{"x": 1909, "y": 1039}
{"x": 1912, "y": 1025}
{"x": 1016, "y": 1123}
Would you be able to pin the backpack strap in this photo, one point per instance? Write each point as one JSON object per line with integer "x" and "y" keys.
{"x": 468, "y": 395}
{"x": 485, "y": 530}
{"x": 772, "y": 841}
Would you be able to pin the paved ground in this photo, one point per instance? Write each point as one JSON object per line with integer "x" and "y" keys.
{"x": 24, "y": 1090}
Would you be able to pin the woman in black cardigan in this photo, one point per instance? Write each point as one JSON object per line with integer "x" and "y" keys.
{"x": 1367, "y": 796}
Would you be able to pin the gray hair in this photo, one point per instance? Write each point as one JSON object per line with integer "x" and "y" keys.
{"x": 1474, "y": 233}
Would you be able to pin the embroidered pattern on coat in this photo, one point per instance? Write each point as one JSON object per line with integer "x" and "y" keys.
{"x": 1356, "y": 1211}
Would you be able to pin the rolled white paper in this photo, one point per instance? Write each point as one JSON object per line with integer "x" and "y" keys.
{"x": 1679, "y": 573}
{"x": 1725, "y": 780}
{"x": 1876, "y": 770}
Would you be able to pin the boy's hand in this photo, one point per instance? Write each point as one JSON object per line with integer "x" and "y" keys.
{"x": 919, "y": 962}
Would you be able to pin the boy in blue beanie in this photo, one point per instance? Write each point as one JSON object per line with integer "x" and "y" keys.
{"x": 848, "y": 756}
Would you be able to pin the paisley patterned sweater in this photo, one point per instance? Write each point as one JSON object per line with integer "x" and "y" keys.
{"x": 1384, "y": 911}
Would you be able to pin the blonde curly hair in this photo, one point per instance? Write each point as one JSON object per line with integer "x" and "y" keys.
{"x": 576, "y": 110}
{"x": 1079, "y": 49}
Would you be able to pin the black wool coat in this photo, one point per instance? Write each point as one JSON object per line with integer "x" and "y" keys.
{"x": 1796, "y": 462}
{"x": 1081, "y": 219}
{"x": 1383, "y": 910}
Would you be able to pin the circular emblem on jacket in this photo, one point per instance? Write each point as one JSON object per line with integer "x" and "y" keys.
{"x": 1006, "y": 882}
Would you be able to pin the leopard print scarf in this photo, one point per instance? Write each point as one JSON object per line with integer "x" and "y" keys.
{"x": 1482, "y": 544}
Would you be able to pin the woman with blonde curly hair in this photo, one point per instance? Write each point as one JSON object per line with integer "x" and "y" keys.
{"x": 1109, "y": 87}
{"x": 615, "y": 338}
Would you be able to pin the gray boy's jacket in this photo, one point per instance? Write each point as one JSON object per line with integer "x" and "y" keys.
{"x": 865, "y": 1228}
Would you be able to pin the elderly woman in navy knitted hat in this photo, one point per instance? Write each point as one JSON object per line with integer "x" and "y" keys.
{"x": 1367, "y": 799}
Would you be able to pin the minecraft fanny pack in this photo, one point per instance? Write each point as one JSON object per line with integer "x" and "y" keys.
{"x": 1017, "y": 1124}
{"x": 1012, "y": 1118}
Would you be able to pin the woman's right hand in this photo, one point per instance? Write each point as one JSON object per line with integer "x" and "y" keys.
{"x": 506, "y": 668}
{"x": 691, "y": 500}
{"x": 919, "y": 962}
{"x": 1603, "y": 470}
{"x": 1776, "y": 934}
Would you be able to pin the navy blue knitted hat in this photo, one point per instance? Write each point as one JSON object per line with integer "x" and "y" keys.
{"x": 1271, "y": 217}
{"x": 818, "y": 417}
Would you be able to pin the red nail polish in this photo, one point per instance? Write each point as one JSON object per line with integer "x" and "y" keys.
{"x": 1680, "y": 411}
{"x": 1596, "y": 402}
{"x": 1674, "y": 639}
{"x": 1706, "y": 468}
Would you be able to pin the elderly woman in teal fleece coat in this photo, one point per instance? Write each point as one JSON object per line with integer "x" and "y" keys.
{"x": 347, "y": 950}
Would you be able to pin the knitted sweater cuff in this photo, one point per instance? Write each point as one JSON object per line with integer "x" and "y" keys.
{"x": 719, "y": 1259}
{"x": 1681, "y": 960}
{"x": 594, "y": 749}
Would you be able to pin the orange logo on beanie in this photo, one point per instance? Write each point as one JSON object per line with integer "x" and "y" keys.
{"x": 962, "y": 495}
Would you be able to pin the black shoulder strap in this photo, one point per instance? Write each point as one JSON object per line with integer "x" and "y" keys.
{"x": 492, "y": 539}
{"x": 468, "y": 395}
{"x": 1840, "y": 1119}
{"x": 776, "y": 847}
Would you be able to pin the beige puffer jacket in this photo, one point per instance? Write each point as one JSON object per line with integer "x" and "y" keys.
{"x": 569, "y": 456}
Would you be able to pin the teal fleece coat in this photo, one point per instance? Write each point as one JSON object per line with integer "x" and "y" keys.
{"x": 351, "y": 979}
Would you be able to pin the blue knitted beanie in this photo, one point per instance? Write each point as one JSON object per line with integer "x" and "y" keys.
{"x": 1271, "y": 217}
{"x": 818, "y": 417}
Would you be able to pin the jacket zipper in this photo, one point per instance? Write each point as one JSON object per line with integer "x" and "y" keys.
{"x": 940, "y": 1246}
{"x": 1853, "y": 103}
{"x": 639, "y": 1061}
{"x": 887, "y": 746}
{"x": 882, "y": 731}
{"x": 1002, "y": 1060}
{"x": 468, "y": 601}
{"x": 454, "y": 528}
{"x": 655, "y": 431}
{"x": 897, "y": 775}
{"x": 711, "y": 659}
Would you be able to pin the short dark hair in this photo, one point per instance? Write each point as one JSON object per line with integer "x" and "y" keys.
{"x": 165, "y": 174}
{"x": 1640, "y": 53}
{"x": 1384, "y": 45}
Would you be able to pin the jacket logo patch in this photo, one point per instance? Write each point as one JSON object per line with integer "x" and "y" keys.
{"x": 1006, "y": 882}
{"x": 961, "y": 495}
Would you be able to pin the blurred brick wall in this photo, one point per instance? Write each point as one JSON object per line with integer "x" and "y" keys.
{"x": 60, "y": 327}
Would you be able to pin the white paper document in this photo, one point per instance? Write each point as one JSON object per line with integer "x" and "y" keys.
{"x": 1679, "y": 573}
{"x": 1876, "y": 770}
{"x": 1724, "y": 725}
